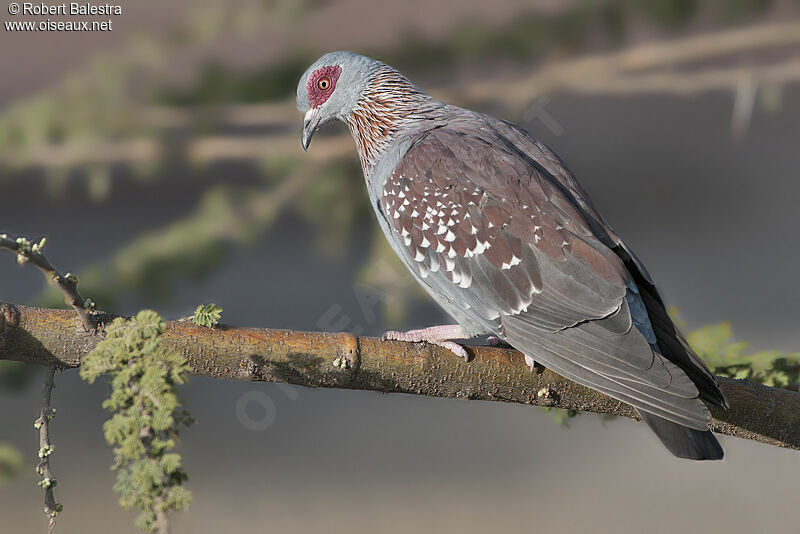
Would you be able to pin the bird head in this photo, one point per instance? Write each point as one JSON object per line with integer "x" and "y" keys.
{"x": 331, "y": 88}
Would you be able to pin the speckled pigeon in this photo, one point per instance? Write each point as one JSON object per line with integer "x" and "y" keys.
{"x": 497, "y": 230}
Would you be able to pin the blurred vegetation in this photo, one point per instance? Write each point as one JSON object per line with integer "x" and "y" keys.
{"x": 727, "y": 357}
{"x": 526, "y": 37}
{"x": 10, "y": 462}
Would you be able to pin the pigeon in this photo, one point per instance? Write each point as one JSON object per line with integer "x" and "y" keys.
{"x": 503, "y": 237}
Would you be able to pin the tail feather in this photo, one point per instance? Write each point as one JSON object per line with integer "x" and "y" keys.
{"x": 684, "y": 442}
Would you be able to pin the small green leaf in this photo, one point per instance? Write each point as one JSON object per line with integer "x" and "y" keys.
{"x": 207, "y": 315}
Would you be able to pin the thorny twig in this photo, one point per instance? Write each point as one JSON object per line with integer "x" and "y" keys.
{"x": 48, "y": 482}
{"x": 28, "y": 252}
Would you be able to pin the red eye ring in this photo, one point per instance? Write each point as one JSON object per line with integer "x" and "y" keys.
{"x": 321, "y": 84}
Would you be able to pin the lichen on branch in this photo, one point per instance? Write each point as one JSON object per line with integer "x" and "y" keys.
{"x": 147, "y": 416}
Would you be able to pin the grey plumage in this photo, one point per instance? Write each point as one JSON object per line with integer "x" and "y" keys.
{"x": 501, "y": 235}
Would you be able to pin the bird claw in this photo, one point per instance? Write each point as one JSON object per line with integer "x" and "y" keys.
{"x": 392, "y": 335}
{"x": 427, "y": 335}
{"x": 453, "y": 347}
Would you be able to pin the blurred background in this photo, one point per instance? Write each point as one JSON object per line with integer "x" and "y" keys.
{"x": 162, "y": 160}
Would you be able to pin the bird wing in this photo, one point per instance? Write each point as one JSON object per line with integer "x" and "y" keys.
{"x": 500, "y": 241}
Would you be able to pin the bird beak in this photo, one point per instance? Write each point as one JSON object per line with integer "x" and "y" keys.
{"x": 310, "y": 125}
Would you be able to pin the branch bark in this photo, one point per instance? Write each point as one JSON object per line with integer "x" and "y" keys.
{"x": 48, "y": 337}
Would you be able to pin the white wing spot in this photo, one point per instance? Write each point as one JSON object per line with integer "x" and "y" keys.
{"x": 514, "y": 261}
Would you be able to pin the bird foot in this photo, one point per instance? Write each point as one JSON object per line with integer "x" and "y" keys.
{"x": 441, "y": 336}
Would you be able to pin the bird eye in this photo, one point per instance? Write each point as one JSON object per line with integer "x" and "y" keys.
{"x": 324, "y": 83}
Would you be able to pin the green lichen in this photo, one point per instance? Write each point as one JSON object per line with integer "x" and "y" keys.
{"x": 147, "y": 415}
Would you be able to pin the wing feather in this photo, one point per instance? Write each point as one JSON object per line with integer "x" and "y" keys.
{"x": 504, "y": 238}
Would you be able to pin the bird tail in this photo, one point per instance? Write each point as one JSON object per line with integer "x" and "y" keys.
{"x": 682, "y": 441}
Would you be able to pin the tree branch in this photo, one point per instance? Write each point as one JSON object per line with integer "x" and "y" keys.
{"x": 28, "y": 252}
{"x": 47, "y": 337}
{"x": 42, "y": 423}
